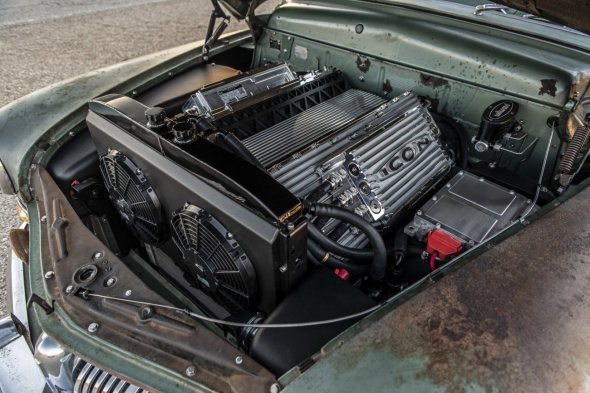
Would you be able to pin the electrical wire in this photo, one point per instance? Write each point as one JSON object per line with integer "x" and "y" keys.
{"x": 246, "y": 325}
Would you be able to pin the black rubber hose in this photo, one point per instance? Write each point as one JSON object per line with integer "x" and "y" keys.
{"x": 458, "y": 131}
{"x": 235, "y": 146}
{"x": 379, "y": 260}
{"x": 318, "y": 254}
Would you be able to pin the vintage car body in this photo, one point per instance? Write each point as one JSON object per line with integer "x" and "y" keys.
{"x": 512, "y": 318}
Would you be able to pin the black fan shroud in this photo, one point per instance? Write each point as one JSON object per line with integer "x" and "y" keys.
{"x": 220, "y": 265}
{"x": 133, "y": 197}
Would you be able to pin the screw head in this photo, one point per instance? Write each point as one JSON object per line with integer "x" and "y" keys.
{"x": 93, "y": 327}
{"x": 190, "y": 371}
{"x": 290, "y": 226}
{"x": 229, "y": 235}
{"x": 70, "y": 289}
{"x": 49, "y": 274}
{"x": 111, "y": 281}
{"x": 283, "y": 268}
{"x": 128, "y": 292}
{"x": 97, "y": 255}
{"x": 43, "y": 218}
{"x": 239, "y": 360}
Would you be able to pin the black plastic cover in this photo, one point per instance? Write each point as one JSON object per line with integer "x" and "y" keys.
{"x": 319, "y": 296}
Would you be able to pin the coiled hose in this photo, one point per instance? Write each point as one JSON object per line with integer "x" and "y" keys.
{"x": 378, "y": 253}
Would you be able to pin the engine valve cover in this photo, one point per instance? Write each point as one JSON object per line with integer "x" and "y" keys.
{"x": 376, "y": 165}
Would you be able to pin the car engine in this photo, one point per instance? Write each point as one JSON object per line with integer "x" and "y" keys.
{"x": 265, "y": 178}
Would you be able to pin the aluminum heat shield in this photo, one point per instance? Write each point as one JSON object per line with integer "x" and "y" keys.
{"x": 470, "y": 208}
{"x": 378, "y": 164}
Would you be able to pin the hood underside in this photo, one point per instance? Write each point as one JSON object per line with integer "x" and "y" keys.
{"x": 570, "y": 13}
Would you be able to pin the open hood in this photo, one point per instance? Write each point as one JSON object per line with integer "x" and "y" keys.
{"x": 240, "y": 8}
{"x": 570, "y": 13}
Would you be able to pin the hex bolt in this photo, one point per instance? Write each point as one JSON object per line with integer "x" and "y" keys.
{"x": 239, "y": 360}
{"x": 146, "y": 312}
{"x": 69, "y": 289}
{"x": 93, "y": 327}
{"x": 190, "y": 371}
{"x": 275, "y": 388}
{"x": 128, "y": 292}
{"x": 97, "y": 255}
{"x": 49, "y": 274}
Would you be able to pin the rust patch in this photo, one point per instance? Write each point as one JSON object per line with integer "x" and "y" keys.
{"x": 363, "y": 63}
{"x": 512, "y": 320}
{"x": 433, "y": 81}
{"x": 548, "y": 86}
{"x": 387, "y": 88}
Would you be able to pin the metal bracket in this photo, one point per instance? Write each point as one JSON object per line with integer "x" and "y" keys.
{"x": 479, "y": 9}
{"x": 41, "y": 302}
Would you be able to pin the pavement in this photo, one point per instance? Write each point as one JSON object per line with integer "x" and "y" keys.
{"x": 45, "y": 41}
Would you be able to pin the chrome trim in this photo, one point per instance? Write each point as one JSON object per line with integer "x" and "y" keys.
{"x": 6, "y": 186}
{"x": 18, "y": 295}
{"x": 18, "y": 371}
{"x": 55, "y": 362}
{"x": 91, "y": 379}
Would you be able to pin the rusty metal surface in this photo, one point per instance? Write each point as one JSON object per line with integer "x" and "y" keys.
{"x": 158, "y": 342}
{"x": 516, "y": 319}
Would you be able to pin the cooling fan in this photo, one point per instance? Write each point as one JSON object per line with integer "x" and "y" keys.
{"x": 210, "y": 251}
{"x": 133, "y": 197}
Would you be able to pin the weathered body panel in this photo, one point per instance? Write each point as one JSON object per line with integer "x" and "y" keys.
{"x": 516, "y": 319}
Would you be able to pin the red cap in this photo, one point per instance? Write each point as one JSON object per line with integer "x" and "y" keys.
{"x": 342, "y": 273}
{"x": 444, "y": 244}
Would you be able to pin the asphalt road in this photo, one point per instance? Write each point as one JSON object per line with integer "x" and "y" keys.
{"x": 45, "y": 41}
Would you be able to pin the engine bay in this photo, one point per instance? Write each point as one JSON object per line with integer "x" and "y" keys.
{"x": 275, "y": 196}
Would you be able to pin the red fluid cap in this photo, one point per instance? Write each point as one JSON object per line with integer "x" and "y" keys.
{"x": 342, "y": 273}
{"x": 444, "y": 244}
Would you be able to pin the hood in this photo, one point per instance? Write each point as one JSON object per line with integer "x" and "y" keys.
{"x": 240, "y": 9}
{"x": 570, "y": 13}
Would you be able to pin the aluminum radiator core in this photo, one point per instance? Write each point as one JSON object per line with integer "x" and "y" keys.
{"x": 376, "y": 165}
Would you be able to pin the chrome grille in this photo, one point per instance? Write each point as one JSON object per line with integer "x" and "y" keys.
{"x": 91, "y": 379}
